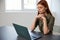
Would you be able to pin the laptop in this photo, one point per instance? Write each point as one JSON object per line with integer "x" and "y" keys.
{"x": 23, "y": 32}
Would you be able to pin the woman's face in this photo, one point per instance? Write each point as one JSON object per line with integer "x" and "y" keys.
{"x": 41, "y": 8}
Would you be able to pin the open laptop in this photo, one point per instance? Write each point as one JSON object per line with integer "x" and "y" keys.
{"x": 23, "y": 32}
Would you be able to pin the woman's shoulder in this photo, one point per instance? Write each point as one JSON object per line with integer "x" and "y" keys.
{"x": 51, "y": 16}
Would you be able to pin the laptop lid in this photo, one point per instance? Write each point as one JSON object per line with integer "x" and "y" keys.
{"x": 22, "y": 31}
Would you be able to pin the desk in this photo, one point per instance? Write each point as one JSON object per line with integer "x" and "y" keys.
{"x": 9, "y": 33}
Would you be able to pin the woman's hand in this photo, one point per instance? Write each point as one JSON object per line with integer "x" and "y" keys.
{"x": 41, "y": 16}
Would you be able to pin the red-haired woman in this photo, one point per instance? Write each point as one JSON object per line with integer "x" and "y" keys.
{"x": 44, "y": 19}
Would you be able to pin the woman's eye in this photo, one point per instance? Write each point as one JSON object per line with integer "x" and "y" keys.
{"x": 39, "y": 7}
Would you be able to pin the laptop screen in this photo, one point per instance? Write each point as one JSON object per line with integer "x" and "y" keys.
{"x": 22, "y": 31}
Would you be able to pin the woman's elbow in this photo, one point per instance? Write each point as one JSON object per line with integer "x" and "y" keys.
{"x": 46, "y": 32}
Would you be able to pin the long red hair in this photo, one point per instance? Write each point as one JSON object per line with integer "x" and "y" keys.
{"x": 45, "y": 4}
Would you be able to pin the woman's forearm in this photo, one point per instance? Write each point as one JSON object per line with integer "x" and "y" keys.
{"x": 45, "y": 27}
{"x": 33, "y": 25}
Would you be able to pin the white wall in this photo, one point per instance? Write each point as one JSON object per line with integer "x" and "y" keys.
{"x": 2, "y": 5}
{"x": 22, "y": 18}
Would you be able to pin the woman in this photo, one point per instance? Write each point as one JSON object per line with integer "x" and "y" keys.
{"x": 44, "y": 19}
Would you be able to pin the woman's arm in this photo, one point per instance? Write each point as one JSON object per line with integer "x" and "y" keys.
{"x": 45, "y": 27}
{"x": 34, "y": 24}
{"x": 48, "y": 27}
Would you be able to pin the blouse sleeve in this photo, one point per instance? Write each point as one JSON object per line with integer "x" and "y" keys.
{"x": 51, "y": 23}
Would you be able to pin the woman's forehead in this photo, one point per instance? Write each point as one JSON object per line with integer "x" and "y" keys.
{"x": 40, "y": 5}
